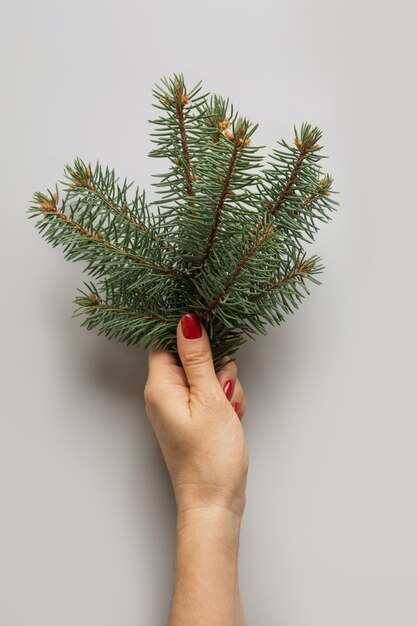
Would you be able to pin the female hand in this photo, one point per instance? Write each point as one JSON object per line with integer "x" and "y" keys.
{"x": 196, "y": 415}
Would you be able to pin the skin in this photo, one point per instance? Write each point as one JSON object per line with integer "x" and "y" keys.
{"x": 203, "y": 444}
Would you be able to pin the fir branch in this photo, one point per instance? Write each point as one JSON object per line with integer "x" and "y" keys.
{"x": 301, "y": 270}
{"x": 124, "y": 323}
{"x": 188, "y": 174}
{"x": 217, "y": 211}
{"x": 83, "y": 179}
{"x": 177, "y": 137}
{"x": 290, "y": 182}
{"x": 305, "y": 144}
{"x": 92, "y": 301}
{"x": 48, "y": 207}
{"x": 323, "y": 189}
{"x": 226, "y": 240}
{"x": 239, "y": 267}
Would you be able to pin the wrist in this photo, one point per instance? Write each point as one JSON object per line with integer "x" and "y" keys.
{"x": 200, "y": 502}
{"x": 208, "y": 516}
{"x": 211, "y": 525}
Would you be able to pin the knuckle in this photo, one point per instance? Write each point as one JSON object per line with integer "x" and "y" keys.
{"x": 209, "y": 400}
{"x": 229, "y": 370}
{"x": 195, "y": 355}
{"x": 233, "y": 369}
{"x": 150, "y": 394}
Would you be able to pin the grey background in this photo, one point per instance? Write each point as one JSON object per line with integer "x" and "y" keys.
{"x": 87, "y": 515}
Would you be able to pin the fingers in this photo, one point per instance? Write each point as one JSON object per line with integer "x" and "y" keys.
{"x": 227, "y": 379}
{"x": 232, "y": 388}
{"x": 238, "y": 400}
{"x": 161, "y": 363}
{"x": 195, "y": 353}
{"x": 158, "y": 360}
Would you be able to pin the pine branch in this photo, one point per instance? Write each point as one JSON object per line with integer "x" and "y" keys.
{"x": 79, "y": 236}
{"x": 303, "y": 269}
{"x": 224, "y": 178}
{"x": 176, "y": 137}
{"x": 226, "y": 240}
{"x": 238, "y": 269}
{"x": 84, "y": 179}
{"x": 240, "y": 137}
{"x": 102, "y": 187}
{"x": 220, "y": 203}
{"x": 124, "y": 323}
{"x": 309, "y": 143}
{"x": 294, "y": 191}
{"x": 180, "y": 101}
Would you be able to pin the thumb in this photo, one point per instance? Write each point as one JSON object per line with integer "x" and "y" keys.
{"x": 195, "y": 353}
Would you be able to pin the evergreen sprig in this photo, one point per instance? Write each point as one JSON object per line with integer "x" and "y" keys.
{"x": 225, "y": 236}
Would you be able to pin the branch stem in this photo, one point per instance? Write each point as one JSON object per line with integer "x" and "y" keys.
{"x": 248, "y": 255}
{"x": 299, "y": 270}
{"x": 184, "y": 148}
{"x": 129, "y": 312}
{"x": 97, "y": 237}
{"x": 290, "y": 181}
{"x": 220, "y": 203}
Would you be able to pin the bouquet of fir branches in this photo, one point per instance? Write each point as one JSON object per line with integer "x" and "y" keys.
{"x": 225, "y": 237}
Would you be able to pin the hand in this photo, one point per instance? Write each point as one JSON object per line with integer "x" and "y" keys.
{"x": 196, "y": 415}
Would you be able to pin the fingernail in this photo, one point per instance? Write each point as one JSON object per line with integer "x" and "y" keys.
{"x": 191, "y": 326}
{"x": 228, "y": 388}
{"x": 235, "y": 407}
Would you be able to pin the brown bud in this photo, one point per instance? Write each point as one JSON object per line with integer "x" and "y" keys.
{"x": 47, "y": 206}
{"x": 93, "y": 298}
{"x": 325, "y": 185}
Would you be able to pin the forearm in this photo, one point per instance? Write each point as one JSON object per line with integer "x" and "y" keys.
{"x": 206, "y": 580}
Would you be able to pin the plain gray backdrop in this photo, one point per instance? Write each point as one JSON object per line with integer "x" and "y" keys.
{"x": 87, "y": 516}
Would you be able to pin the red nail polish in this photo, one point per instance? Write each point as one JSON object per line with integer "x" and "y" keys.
{"x": 235, "y": 407}
{"x": 228, "y": 388}
{"x": 191, "y": 326}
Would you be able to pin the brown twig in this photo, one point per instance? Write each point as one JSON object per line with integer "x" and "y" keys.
{"x": 88, "y": 184}
{"x": 290, "y": 182}
{"x": 249, "y": 254}
{"x": 300, "y": 270}
{"x": 96, "y": 303}
{"x": 49, "y": 208}
{"x": 179, "y": 107}
{"x": 220, "y": 203}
